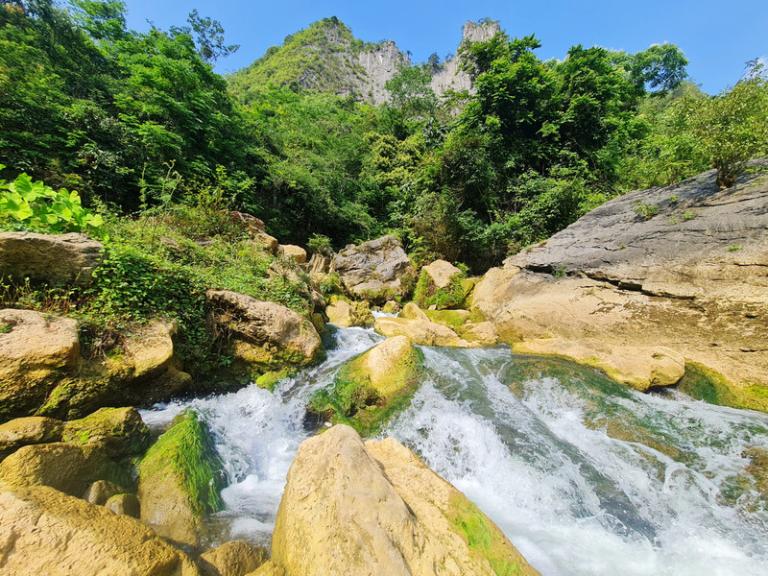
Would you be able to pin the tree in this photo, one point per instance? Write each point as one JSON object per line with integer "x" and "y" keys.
{"x": 662, "y": 67}
{"x": 209, "y": 37}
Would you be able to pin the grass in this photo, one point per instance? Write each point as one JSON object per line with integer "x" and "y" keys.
{"x": 645, "y": 210}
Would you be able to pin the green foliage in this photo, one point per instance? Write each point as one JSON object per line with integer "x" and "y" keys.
{"x": 29, "y": 205}
{"x": 645, "y": 210}
{"x": 320, "y": 244}
{"x": 426, "y": 294}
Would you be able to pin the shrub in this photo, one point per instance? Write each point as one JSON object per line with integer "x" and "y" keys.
{"x": 645, "y": 210}
{"x": 320, "y": 244}
{"x": 26, "y": 204}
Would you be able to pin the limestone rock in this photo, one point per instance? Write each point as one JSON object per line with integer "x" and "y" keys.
{"x": 415, "y": 324}
{"x": 377, "y": 270}
{"x": 65, "y": 467}
{"x": 645, "y": 298}
{"x": 30, "y": 430}
{"x": 234, "y": 558}
{"x": 440, "y": 286}
{"x": 266, "y": 242}
{"x": 120, "y": 430}
{"x": 43, "y": 531}
{"x": 370, "y": 509}
{"x": 295, "y": 253}
{"x": 265, "y": 333}
{"x": 100, "y": 491}
{"x": 251, "y": 223}
{"x": 56, "y": 259}
{"x": 150, "y": 348}
{"x": 35, "y": 349}
{"x": 179, "y": 480}
{"x": 319, "y": 265}
{"x": 124, "y": 505}
{"x": 343, "y": 313}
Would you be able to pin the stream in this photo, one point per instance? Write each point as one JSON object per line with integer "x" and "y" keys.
{"x": 585, "y": 476}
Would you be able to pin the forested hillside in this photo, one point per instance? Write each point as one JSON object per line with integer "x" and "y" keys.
{"x": 139, "y": 120}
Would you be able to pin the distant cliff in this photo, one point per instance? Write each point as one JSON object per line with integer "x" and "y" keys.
{"x": 326, "y": 57}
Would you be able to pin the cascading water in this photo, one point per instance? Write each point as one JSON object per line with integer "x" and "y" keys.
{"x": 584, "y": 476}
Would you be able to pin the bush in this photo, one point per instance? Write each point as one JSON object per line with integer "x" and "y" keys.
{"x": 29, "y": 205}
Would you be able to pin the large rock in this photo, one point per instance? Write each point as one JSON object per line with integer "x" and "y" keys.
{"x": 56, "y": 259}
{"x": 369, "y": 389}
{"x": 234, "y": 558}
{"x": 180, "y": 478}
{"x": 30, "y": 430}
{"x": 265, "y": 334}
{"x": 377, "y": 270}
{"x": 293, "y": 252}
{"x": 66, "y": 467}
{"x": 417, "y": 326}
{"x": 121, "y": 431}
{"x": 369, "y": 509}
{"x": 43, "y": 531}
{"x": 35, "y": 351}
{"x": 646, "y": 293}
{"x": 440, "y": 286}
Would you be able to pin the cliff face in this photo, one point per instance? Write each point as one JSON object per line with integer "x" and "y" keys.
{"x": 326, "y": 57}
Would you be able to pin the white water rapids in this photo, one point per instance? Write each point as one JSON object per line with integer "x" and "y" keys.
{"x": 531, "y": 447}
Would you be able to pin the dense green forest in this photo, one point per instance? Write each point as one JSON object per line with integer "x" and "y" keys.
{"x": 139, "y": 121}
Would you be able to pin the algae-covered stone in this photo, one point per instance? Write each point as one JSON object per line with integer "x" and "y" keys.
{"x": 30, "y": 430}
{"x": 269, "y": 380}
{"x": 417, "y": 326}
{"x": 440, "y": 286}
{"x": 705, "y": 384}
{"x": 369, "y": 389}
{"x": 180, "y": 479}
{"x": 344, "y": 313}
{"x": 120, "y": 430}
{"x": 66, "y": 467}
{"x": 374, "y": 508}
{"x": 47, "y": 533}
{"x": 234, "y": 558}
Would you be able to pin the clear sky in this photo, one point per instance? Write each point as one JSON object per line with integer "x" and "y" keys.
{"x": 718, "y": 36}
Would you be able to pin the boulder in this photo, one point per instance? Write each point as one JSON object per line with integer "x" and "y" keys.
{"x": 377, "y": 270}
{"x": 249, "y": 222}
{"x": 266, "y": 242}
{"x": 121, "y": 431}
{"x": 344, "y": 313}
{"x": 369, "y": 389}
{"x": 234, "y": 558}
{"x": 43, "y": 531}
{"x": 55, "y": 259}
{"x": 100, "y": 491}
{"x": 35, "y": 350}
{"x": 30, "y": 430}
{"x": 367, "y": 509}
{"x": 180, "y": 478}
{"x": 319, "y": 265}
{"x": 417, "y": 326}
{"x": 292, "y": 252}
{"x": 440, "y": 286}
{"x": 65, "y": 467}
{"x": 124, "y": 505}
{"x": 650, "y": 295}
{"x": 264, "y": 334}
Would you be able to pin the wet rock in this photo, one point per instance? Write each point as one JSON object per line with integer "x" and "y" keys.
{"x": 234, "y": 558}
{"x": 369, "y": 389}
{"x": 121, "y": 431}
{"x": 179, "y": 480}
{"x": 375, "y": 508}
{"x": 377, "y": 270}
{"x": 55, "y": 259}
{"x": 124, "y": 505}
{"x": 265, "y": 334}
{"x": 30, "y": 430}
{"x": 344, "y": 313}
{"x": 43, "y": 531}
{"x": 417, "y": 326}
{"x": 35, "y": 350}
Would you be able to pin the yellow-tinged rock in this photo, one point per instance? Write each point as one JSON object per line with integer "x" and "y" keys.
{"x": 234, "y": 558}
{"x": 29, "y": 430}
{"x": 46, "y": 532}
{"x": 414, "y": 324}
{"x": 295, "y": 253}
{"x": 373, "y": 509}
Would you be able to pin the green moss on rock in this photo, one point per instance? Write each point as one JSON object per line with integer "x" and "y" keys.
{"x": 427, "y": 295}
{"x": 371, "y": 388}
{"x": 269, "y": 380}
{"x": 705, "y": 384}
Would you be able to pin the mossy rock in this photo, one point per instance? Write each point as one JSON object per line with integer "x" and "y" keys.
{"x": 180, "y": 480}
{"x": 484, "y": 538}
{"x": 440, "y": 288}
{"x": 705, "y": 384}
{"x": 371, "y": 388}
{"x": 269, "y": 380}
{"x": 121, "y": 430}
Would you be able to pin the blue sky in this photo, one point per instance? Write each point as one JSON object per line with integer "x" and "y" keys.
{"x": 718, "y": 36}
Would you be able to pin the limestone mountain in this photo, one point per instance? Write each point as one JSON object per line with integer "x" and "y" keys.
{"x": 326, "y": 57}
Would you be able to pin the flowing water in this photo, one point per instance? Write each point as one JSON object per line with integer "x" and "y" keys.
{"x": 584, "y": 476}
